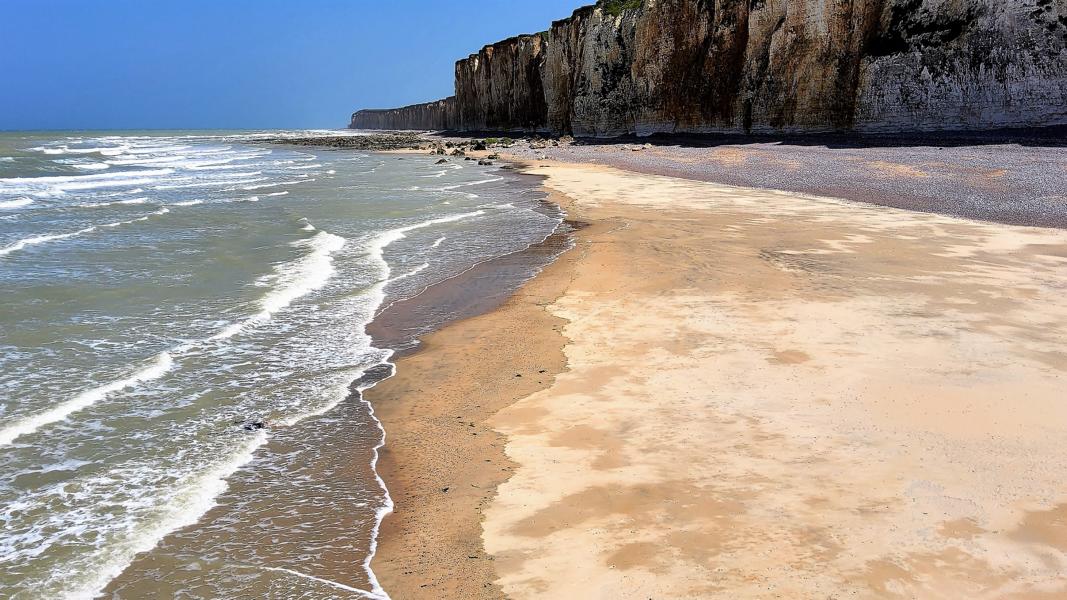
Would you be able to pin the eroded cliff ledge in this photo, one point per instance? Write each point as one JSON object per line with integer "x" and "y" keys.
{"x": 702, "y": 66}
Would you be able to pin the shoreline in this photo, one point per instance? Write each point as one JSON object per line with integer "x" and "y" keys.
{"x": 398, "y": 398}
{"x": 434, "y": 544}
{"x": 351, "y": 420}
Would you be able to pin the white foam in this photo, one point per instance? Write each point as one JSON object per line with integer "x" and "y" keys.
{"x": 116, "y": 202}
{"x": 60, "y": 179}
{"x": 215, "y": 183}
{"x": 30, "y": 424}
{"x": 293, "y": 279}
{"x": 96, "y": 166}
{"x": 220, "y": 167}
{"x": 156, "y": 149}
{"x": 445, "y": 188}
{"x": 189, "y": 203}
{"x": 410, "y": 273}
{"x": 306, "y": 274}
{"x": 104, "y": 150}
{"x": 340, "y": 586}
{"x": 40, "y": 239}
{"x": 16, "y": 203}
{"x": 275, "y": 194}
{"x": 438, "y": 241}
{"x": 92, "y": 185}
{"x": 380, "y": 243}
{"x": 183, "y": 509}
{"x": 267, "y": 185}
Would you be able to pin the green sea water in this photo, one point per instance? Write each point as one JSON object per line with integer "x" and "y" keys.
{"x": 165, "y": 292}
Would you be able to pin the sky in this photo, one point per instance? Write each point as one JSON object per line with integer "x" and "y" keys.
{"x": 239, "y": 64}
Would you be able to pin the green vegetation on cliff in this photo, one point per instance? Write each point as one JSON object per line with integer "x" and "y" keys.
{"x": 617, "y": 7}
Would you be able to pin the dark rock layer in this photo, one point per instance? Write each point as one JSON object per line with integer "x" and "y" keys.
{"x": 765, "y": 66}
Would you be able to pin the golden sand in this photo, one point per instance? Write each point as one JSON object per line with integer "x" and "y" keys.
{"x": 765, "y": 395}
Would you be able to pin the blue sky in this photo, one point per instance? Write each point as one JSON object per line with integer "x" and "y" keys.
{"x": 130, "y": 64}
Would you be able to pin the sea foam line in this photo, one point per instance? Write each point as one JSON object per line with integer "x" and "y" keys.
{"x": 295, "y": 278}
{"x": 16, "y": 203}
{"x": 50, "y": 237}
{"x": 183, "y": 509}
{"x": 32, "y": 423}
{"x": 84, "y": 178}
{"x": 40, "y": 239}
{"x": 377, "y": 248}
{"x": 335, "y": 584}
{"x": 267, "y": 185}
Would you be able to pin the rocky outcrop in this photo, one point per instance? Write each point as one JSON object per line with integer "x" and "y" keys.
{"x": 624, "y": 66}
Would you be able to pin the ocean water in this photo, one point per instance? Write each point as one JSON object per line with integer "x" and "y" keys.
{"x": 162, "y": 293}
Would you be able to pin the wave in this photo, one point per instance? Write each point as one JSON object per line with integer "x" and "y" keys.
{"x": 92, "y": 185}
{"x": 189, "y": 203}
{"x": 410, "y": 273}
{"x": 266, "y": 185}
{"x": 293, "y": 279}
{"x": 131, "y": 201}
{"x": 94, "y": 166}
{"x": 365, "y": 593}
{"x": 379, "y": 244}
{"x": 438, "y": 241}
{"x": 183, "y": 509}
{"x": 200, "y": 184}
{"x": 50, "y": 237}
{"x": 60, "y": 179}
{"x": 32, "y": 423}
{"x": 156, "y": 149}
{"x": 275, "y": 194}
{"x": 130, "y": 162}
{"x": 104, "y": 150}
{"x": 16, "y": 203}
{"x": 40, "y": 239}
{"x": 161, "y": 211}
{"x": 446, "y": 188}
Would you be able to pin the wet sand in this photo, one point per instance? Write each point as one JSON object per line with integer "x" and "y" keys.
{"x": 746, "y": 393}
{"x": 441, "y": 460}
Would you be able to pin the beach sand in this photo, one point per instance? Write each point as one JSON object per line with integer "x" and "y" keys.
{"x": 745, "y": 393}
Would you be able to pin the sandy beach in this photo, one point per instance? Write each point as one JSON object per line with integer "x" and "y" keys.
{"x": 730, "y": 392}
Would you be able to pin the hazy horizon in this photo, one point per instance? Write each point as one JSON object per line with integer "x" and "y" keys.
{"x": 128, "y": 65}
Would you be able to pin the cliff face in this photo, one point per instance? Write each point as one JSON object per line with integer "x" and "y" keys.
{"x": 436, "y": 115}
{"x": 501, "y": 87}
{"x": 767, "y": 66}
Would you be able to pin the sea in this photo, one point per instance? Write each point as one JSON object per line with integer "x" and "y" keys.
{"x": 183, "y": 343}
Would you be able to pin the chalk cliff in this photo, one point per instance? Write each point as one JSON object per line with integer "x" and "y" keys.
{"x": 626, "y": 66}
